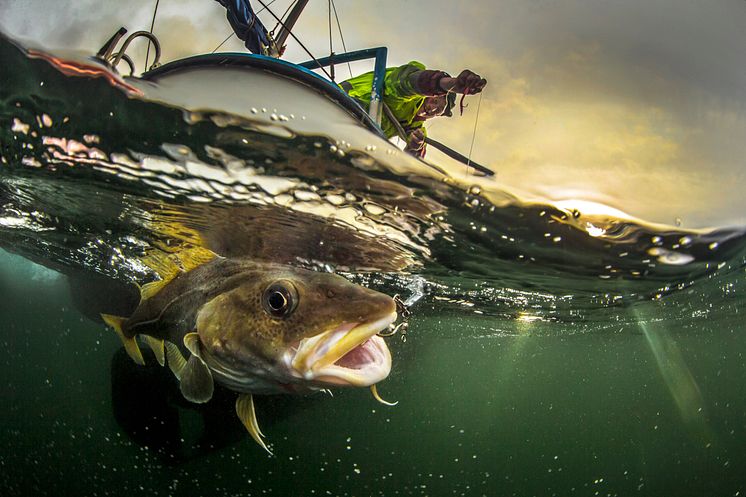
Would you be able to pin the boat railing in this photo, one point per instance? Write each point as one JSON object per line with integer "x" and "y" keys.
{"x": 379, "y": 72}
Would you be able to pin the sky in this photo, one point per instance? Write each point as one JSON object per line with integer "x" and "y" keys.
{"x": 636, "y": 104}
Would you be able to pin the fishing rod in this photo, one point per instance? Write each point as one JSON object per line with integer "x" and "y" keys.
{"x": 436, "y": 144}
{"x": 453, "y": 154}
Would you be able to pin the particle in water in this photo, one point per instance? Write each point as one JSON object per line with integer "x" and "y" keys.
{"x": 19, "y": 127}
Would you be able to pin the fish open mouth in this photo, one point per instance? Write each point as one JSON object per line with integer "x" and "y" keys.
{"x": 350, "y": 355}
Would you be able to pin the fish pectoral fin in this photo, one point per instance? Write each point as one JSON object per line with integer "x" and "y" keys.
{"x": 130, "y": 344}
{"x": 247, "y": 415}
{"x": 176, "y": 361}
{"x": 196, "y": 383}
{"x": 191, "y": 342}
{"x": 156, "y": 346}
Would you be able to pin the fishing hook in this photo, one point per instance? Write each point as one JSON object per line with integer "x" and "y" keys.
{"x": 404, "y": 312}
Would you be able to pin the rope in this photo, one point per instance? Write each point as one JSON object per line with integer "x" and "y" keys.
{"x": 222, "y": 43}
{"x": 152, "y": 25}
{"x": 233, "y": 33}
{"x": 339, "y": 26}
{"x": 296, "y": 39}
{"x": 283, "y": 15}
{"x": 474, "y": 133}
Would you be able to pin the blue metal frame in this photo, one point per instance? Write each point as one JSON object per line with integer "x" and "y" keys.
{"x": 379, "y": 73}
{"x": 303, "y": 72}
{"x": 288, "y": 69}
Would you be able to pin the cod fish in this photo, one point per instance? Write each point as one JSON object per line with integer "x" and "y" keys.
{"x": 261, "y": 328}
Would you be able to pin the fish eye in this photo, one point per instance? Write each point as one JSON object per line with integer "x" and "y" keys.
{"x": 280, "y": 299}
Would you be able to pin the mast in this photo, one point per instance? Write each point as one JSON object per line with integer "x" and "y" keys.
{"x": 287, "y": 26}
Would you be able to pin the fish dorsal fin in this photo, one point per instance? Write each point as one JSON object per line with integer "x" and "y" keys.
{"x": 150, "y": 289}
{"x": 169, "y": 265}
{"x": 177, "y": 249}
{"x": 247, "y": 415}
{"x": 196, "y": 382}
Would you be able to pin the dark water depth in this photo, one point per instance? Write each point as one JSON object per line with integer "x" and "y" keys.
{"x": 654, "y": 406}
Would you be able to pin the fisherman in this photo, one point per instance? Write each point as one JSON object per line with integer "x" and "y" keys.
{"x": 415, "y": 94}
{"x": 249, "y": 28}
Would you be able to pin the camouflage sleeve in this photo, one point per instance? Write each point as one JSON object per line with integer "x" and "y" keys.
{"x": 413, "y": 79}
{"x": 427, "y": 82}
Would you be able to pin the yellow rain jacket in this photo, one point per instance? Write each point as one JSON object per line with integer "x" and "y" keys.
{"x": 401, "y": 93}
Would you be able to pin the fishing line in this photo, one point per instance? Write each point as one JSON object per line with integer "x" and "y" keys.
{"x": 339, "y": 26}
{"x": 152, "y": 25}
{"x": 223, "y": 42}
{"x": 474, "y": 133}
{"x": 296, "y": 39}
{"x": 283, "y": 15}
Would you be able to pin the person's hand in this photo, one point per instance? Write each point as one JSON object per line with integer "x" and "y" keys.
{"x": 416, "y": 143}
{"x": 469, "y": 83}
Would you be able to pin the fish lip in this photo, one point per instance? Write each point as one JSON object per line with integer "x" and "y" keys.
{"x": 371, "y": 373}
{"x": 314, "y": 358}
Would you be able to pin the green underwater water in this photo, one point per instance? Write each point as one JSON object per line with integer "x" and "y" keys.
{"x": 550, "y": 352}
{"x": 487, "y": 406}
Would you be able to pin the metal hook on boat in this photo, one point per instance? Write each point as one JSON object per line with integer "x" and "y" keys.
{"x": 107, "y": 54}
{"x": 115, "y": 59}
{"x": 127, "y": 59}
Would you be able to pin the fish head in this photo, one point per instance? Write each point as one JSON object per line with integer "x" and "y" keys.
{"x": 297, "y": 328}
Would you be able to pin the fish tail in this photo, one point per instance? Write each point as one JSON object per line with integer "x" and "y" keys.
{"x": 130, "y": 344}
